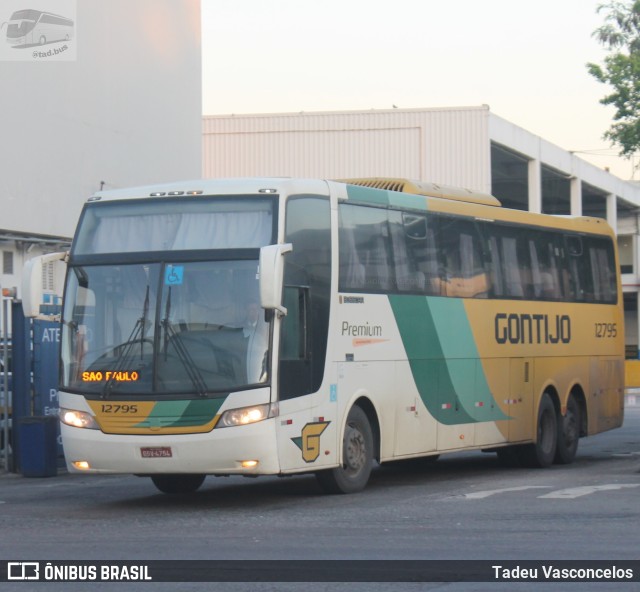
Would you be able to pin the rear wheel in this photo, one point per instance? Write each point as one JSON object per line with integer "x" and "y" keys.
{"x": 173, "y": 484}
{"x": 542, "y": 453}
{"x": 568, "y": 433}
{"x": 357, "y": 457}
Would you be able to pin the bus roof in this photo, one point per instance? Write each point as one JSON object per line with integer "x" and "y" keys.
{"x": 289, "y": 185}
{"x": 449, "y": 199}
{"x": 231, "y": 186}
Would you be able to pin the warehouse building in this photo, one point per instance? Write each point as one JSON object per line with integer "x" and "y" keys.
{"x": 467, "y": 147}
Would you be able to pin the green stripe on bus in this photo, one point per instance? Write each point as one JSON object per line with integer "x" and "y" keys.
{"x": 187, "y": 413}
{"x": 386, "y": 198}
{"x": 444, "y": 359}
{"x": 463, "y": 359}
{"x": 368, "y": 195}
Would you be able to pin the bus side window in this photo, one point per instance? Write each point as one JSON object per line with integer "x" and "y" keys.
{"x": 509, "y": 262}
{"x": 581, "y": 278}
{"x": 461, "y": 256}
{"x": 544, "y": 267}
{"x": 603, "y": 270}
{"x": 365, "y": 249}
{"x": 420, "y": 242}
{"x": 407, "y": 277}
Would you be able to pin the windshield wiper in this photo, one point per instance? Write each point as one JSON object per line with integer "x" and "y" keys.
{"x": 170, "y": 335}
{"x": 137, "y": 336}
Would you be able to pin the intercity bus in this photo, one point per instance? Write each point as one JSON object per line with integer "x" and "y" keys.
{"x": 282, "y": 326}
{"x": 34, "y": 27}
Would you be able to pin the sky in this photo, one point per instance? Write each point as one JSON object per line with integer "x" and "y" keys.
{"x": 525, "y": 59}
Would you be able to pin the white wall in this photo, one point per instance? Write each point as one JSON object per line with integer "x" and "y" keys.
{"x": 127, "y": 111}
{"x": 448, "y": 146}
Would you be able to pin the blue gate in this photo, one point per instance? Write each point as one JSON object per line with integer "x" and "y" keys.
{"x": 36, "y": 351}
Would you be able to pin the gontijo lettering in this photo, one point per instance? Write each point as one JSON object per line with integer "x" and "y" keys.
{"x": 536, "y": 328}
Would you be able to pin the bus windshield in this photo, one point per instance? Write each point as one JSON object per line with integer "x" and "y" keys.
{"x": 162, "y": 297}
{"x": 145, "y": 329}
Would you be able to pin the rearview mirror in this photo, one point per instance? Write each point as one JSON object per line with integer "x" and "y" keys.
{"x": 34, "y": 292}
{"x": 272, "y": 276}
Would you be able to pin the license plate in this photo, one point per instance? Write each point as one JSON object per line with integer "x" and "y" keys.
{"x": 156, "y": 452}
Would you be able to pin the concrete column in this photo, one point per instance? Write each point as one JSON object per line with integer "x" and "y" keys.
{"x": 535, "y": 186}
{"x": 612, "y": 212}
{"x": 576, "y": 196}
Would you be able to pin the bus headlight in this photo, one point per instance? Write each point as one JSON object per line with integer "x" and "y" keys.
{"x": 77, "y": 419}
{"x": 247, "y": 415}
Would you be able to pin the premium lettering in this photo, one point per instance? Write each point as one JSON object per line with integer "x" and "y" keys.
{"x": 365, "y": 330}
{"x": 532, "y": 328}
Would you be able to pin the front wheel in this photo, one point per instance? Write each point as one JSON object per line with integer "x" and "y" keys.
{"x": 175, "y": 484}
{"x": 357, "y": 457}
{"x": 542, "y": 453}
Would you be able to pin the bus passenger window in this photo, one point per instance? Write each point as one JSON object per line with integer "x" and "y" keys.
{"x": 365, "y": 249}
{"x": 544, "y": 267}
{"x": 461, "y": 255}
{"x": 603, "y": 270}
{"x": 420, "y": 243}
{"x": 495, "y": 268}
{"x": 581, "y": 279}
{"x": 407, "y": 277}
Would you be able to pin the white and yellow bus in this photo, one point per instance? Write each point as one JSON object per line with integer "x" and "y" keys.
{"x": 283, "y": 326}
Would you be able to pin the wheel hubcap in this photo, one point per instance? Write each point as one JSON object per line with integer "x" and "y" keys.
{"x": 355, "y": 450}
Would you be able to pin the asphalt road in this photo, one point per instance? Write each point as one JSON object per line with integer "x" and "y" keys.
{"x": 465, "y": 506}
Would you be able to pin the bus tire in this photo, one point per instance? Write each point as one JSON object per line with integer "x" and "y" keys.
{"x": 542, "y": 452}
{"x": 176, "y": 484}
{"x": 568, "y": 433}
{"x": 357, "y": 457}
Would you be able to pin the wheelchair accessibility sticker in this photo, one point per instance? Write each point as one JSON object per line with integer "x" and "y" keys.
{"x": 173, "y": 275}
